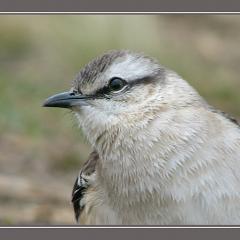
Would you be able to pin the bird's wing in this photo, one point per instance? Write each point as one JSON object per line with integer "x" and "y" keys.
{"x": 83, "y": 184}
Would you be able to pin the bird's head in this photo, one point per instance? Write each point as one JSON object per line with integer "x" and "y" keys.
{"x": 122, "y": 87}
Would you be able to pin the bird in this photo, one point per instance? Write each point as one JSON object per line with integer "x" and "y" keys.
{"x": 161, "y": 155}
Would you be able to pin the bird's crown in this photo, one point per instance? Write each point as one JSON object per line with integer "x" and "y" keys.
{"x": 117, "y": 70}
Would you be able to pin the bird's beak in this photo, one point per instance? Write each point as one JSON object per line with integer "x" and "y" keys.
{"x": 65, "y": 100}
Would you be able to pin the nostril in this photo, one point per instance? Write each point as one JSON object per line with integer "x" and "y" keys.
{"x": 73, "y": 92}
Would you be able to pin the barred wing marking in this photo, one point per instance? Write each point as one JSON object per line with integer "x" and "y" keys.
{"x": 83, "y": 183}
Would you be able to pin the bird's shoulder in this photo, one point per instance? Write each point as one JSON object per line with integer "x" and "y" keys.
{"x": 83, "y": 184}
{"x": 225, "y": 115}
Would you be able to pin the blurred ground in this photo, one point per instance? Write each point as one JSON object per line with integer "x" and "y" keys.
{"x": 41, "y": 150}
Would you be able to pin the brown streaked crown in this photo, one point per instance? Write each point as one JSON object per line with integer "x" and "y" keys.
{"x": 95, "y": 68}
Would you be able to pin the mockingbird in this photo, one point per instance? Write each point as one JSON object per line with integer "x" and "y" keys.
{"x": 161, "y": 154}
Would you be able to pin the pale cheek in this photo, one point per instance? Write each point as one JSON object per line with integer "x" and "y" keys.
{"x": 108, "y": 109}
{"x": 106, "y": 113}
{"x": 95, "y": 117}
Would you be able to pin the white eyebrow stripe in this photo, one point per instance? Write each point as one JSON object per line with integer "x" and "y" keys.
{"x": 130, "y": 69}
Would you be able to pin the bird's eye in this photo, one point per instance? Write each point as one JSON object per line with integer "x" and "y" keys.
{"x": 117, "y": 84}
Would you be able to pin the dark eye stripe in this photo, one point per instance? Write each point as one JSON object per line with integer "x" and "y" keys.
{"x": 102, "y": 91}
{"x": 105, "y": 92}
{"x": 144, "y": 80}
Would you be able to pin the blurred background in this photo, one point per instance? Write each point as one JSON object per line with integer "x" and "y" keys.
{"x": 41, "y": 150}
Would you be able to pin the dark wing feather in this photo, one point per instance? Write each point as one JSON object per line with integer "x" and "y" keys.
{"x": 77, "y": 196}
{"x": 82, "y": 184}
